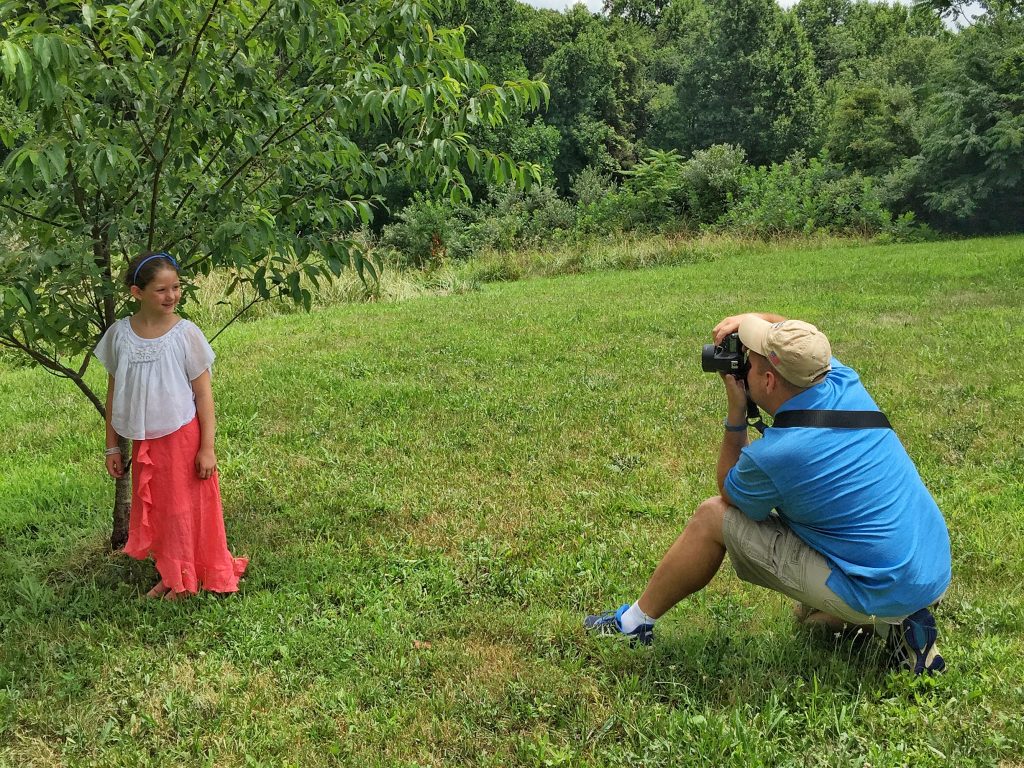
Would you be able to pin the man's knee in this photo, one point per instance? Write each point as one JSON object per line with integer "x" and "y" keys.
{"x": 709, "y": 516}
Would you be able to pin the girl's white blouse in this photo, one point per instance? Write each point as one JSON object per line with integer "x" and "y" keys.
{"x": 153, "y": 377}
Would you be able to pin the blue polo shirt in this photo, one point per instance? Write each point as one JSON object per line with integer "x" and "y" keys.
{"x": 853, "y": 495}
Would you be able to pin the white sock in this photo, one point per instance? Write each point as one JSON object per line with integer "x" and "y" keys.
{"x": 633, "y": 617}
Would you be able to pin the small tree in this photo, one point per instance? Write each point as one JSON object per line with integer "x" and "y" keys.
{"x": 247, "y": 135}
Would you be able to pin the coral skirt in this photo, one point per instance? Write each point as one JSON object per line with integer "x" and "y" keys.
{"x": 177, "y": 518}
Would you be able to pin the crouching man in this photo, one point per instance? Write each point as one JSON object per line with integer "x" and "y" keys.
{"x": 826, "y": 508}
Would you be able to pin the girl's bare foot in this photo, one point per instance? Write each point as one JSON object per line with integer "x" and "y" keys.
{"x": 159, "y": 590}
{"x": 172, "y": 595}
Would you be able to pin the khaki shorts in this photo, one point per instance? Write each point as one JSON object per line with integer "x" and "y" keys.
{"x": 770, "y": 555}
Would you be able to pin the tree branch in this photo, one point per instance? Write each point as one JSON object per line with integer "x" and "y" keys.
{"x": 234, "y": 131}
{"x": 304, "y": 194}
{"x": 252, "y": 29}
{"x": 192, "y": 187}
{"x": 85, "y": 363}
{"x": 77, "y": 193}
{"x": 158, "y": 167}
{"x": 269, "y": 140}
{"x": 147, "y": 146}
{"x": 238, "y": 314}
{"x": 173, "y": 106}
{"x": 303, "y": 127}
{"x": 53, "y": 366}
{"x": 227, "y": 182}
{"x": 249, "y": 193}
{"x": 97, "y": 47}
{"x": 41, "y": 220}
{"x": 184, "y": 261}
{"x": 168, "y": 118}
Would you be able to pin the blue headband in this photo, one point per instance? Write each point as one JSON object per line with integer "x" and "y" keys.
{"x": 161, "y": 255}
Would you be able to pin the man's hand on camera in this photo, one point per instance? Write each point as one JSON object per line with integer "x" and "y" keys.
{"x": 736, "y": 391}
{"x": 725, "y": 327}
{"x": 731, "y": 324}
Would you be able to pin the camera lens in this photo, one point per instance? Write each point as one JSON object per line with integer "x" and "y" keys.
{"x": 707, "y": 358}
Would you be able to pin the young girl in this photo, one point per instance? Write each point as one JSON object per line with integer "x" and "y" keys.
{"x": 159, "y": 396}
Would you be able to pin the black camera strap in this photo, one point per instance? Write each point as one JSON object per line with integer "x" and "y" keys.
{"x": 754, "y": 416}
{"x": 833, "y": 419}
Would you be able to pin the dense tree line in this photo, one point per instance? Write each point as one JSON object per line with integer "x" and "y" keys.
{"x": 924, "y": 117}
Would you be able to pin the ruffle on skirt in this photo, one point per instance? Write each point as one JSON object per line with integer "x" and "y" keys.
{"x": 177, "y": 519}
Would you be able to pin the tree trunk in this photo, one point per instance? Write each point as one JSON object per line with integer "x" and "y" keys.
{"x": 123, "y": 487}
{"x": 122, "y": 501}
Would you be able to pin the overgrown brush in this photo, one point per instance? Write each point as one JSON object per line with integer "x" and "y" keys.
{"x": 715, "y": 190}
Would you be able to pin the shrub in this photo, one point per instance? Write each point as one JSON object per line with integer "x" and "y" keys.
{"x": 658, "y": 189}
{"x": 548, "y": 214}
{"x": 660, "y": 192}
{"x": 711, "y": 180}
{"x": 427, "y": 232}
{"x": 494, "y": 232}
{"x": 596, "y": 196}
{"x": 800, "y": 196}
{"x": 591, "y": 185}
{"x": 538, "y": 215}
{"x": 906, "y": 229}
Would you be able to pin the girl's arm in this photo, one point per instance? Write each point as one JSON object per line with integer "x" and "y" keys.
{"x": 206, "y": 459}
{"x": 115, "y": 461}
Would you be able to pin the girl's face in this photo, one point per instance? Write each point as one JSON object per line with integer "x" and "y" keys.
{"x": 161, "y": 294}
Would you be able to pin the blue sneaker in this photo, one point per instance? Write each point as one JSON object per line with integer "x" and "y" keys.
{"x": 915, "y": 644}
{"x": 610, "y": 623}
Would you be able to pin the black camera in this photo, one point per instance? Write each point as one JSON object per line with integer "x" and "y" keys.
{"x": 728, "y": 357}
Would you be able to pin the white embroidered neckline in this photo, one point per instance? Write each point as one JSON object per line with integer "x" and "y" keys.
{"x": 164, "y": 335}
{"x": 145, "y": 350}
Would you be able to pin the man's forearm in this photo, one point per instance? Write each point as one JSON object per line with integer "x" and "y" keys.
{"x": 729, "y": 454}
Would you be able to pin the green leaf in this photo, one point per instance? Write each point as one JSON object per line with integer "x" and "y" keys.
{"x": 99, "y": 168}
{"x": 134, "y": 46}
{"x": 25, "y": 63}
{"x": 10, "y": 56}
{"x": 41, "y": 48}
{"x": 42, "y": 165}
{"x": 23, "y": 298}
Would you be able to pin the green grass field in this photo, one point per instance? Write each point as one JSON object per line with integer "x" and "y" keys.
{"x": 433, "y": 492}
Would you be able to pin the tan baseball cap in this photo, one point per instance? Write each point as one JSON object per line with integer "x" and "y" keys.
{"x": 797, "y": 350}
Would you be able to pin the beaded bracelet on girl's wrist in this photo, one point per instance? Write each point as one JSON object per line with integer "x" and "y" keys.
{"x": 734, "y": 427}
{"x": 115, "y": 451}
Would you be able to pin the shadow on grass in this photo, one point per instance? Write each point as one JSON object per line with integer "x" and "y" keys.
{"x": 719, "y": 667}
{"x": 94, "y": 563}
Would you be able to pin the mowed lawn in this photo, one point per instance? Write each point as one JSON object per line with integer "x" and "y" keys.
{"x": 433, "y": 493}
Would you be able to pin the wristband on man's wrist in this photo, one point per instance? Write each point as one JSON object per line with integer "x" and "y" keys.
{"x": 734, "y": 427}
{"x": 115, "y": 451}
